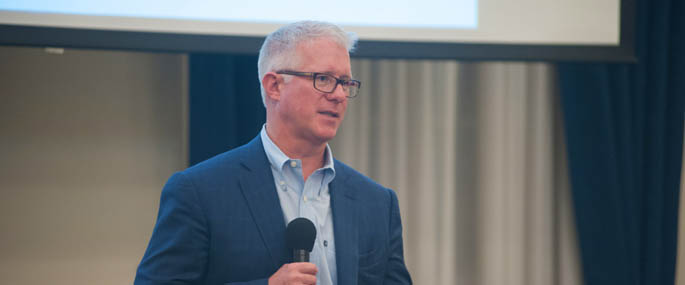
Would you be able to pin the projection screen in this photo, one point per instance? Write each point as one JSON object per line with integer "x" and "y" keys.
{"x": 466, "y": 29}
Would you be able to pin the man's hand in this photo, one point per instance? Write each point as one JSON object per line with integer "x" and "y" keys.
{"x": 298, "y": 273}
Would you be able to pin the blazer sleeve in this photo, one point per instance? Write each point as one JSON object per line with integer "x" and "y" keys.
{"x": 397, "y": 272}
{"x": 178, "y": 249}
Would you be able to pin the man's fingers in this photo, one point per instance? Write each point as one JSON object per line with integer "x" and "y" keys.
{"x": 295, "y": 273}
{"x": 305, "y": 267}
{"x": 308, "y": 279}
{"x": 306, "y": 272}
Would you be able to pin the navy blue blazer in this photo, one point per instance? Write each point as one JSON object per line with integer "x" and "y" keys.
{"x": 220, "y": 222}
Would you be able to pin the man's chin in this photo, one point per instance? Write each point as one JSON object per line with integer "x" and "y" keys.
{"x": 327, "y": 135}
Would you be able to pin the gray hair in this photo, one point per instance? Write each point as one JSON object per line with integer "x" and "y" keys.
{"x": 279, "y": 48}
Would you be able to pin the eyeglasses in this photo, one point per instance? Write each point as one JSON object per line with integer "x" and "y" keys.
{"x": 327, "y": 83}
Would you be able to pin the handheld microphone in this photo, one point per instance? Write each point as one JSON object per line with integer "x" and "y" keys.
{"x": 299, "y": 236}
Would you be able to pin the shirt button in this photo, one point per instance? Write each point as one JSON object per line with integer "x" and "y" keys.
{"x": 293, "y": 163}
{"x": 325, "y": 243}
{"x": 282, "y": 182}
{"x": 305, "y": 198}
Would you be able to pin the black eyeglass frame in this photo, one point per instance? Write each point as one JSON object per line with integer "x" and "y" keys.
{"x": 338, "y": 81}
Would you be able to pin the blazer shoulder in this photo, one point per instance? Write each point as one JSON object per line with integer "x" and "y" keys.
{"x": 360, "y": 181}
{"x": 228, "y": 166}
{"x": 229, "y": 161}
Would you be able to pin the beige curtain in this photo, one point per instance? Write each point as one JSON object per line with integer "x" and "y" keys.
{"x": 85, "y": 153}
{"x": 476, "y": 154}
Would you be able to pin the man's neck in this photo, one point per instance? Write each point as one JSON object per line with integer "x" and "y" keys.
{"x": 312, "y": 155}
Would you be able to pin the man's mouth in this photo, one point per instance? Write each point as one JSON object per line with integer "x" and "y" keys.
{"x": 329, "y": 113}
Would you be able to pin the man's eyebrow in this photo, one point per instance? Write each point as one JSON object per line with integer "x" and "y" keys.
{"x": 332, "y": 73}
{"x": 346, "y": 77}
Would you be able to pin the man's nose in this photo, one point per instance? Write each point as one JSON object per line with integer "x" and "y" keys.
{"x": 339, "y": 94}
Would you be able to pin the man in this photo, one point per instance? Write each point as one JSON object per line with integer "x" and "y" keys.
{"x": 223, "y": 221}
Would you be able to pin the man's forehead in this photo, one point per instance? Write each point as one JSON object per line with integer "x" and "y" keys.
{"x": 327, "y": 56}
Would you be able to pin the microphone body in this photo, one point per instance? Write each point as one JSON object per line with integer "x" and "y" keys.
{"x": 300, "y": 255}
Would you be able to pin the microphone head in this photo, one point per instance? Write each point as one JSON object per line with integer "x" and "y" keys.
{"x": 300, "y": 234}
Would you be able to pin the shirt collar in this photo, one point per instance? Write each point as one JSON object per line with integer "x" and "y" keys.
{"x": 277, "y": 158}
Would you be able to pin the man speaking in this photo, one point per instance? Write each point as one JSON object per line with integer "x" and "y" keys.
{"x": 223, "y": 221}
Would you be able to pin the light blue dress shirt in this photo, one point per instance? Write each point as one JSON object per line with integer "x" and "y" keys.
{"x": 309, "y": 199}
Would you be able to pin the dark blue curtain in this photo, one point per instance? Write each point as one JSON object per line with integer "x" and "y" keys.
{"x": 624, "y": 125}
{"x": 226, "y": 108}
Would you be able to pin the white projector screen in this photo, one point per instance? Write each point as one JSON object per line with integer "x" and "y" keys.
{"x": 487, "y": 29}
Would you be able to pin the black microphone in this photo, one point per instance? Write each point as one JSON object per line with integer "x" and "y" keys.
{"x": 299, "y": 236}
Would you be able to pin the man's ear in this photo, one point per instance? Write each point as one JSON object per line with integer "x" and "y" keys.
{"x": 271, "y": 83}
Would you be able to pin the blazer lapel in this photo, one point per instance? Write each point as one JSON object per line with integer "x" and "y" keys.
{"x": 345, "y": 228}
{"x": 257, "y": 186}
